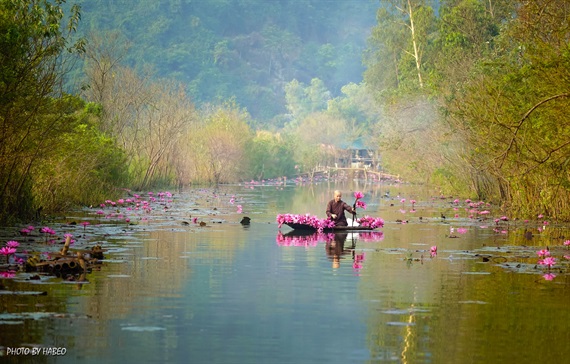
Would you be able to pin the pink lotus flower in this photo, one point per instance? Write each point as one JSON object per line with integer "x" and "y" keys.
{"x": 239, "y": 209}
{"x": 12, "y": 244}
{"x": 543, "y": 253}
{"x": 567, "y": 243}
{"x": 433, "y": 251}
{"x": 47, "y": 230}
{"x": 462, "y": 230}
{"x": 24, "y": 231}
{"x": 549, "y": 261}
{"x": 361, "y": 204}
{"x": 7, "y": 250}
{"x": 358, "y": 195}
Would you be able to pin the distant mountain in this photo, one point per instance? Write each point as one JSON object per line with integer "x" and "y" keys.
{"x": 242, "y": 49}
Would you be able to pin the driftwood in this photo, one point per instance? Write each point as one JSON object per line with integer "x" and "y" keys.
{"x": 63, "y": 263}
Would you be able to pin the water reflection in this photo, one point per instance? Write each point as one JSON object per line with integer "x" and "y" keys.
{"x": 335, "y": 248}
{"x": 227, "y": 292}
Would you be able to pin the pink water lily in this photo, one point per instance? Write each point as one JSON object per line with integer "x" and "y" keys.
{"x": 12, "y": 244}
{"x": 433, "y": 251}
{"x": 358, "y": 195}
{"x": 548, "y": 261}
{"x": 543, "y": 253}
{"x": 361, "y": 204}
{"x": 7, "y": 250}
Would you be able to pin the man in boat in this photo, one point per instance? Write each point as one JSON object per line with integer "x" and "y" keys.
{"x": 336, "y": 208}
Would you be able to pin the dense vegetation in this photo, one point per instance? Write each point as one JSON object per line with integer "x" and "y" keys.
{"x": 488, "y": 88}
{"x": 466, "y": 94}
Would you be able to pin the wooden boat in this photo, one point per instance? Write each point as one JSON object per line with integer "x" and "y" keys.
{"x": 304, "y": 227}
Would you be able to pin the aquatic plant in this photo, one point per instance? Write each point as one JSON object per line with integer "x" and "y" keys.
{"x": 548, "y": 261}
{"x": 433, "y": 251}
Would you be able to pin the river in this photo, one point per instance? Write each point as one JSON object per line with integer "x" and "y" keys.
{"x": 170, "y": 290}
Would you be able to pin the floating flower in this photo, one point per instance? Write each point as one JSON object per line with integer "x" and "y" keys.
{"x": 548, "y": 261}
{"x": 567, "y": 243}
{"x": 543, "y": 253}
{"x": 7, "y": 250}
{"x": 433, "y": 251}
{"x": 12, "y": 244}
{"x": 239, "y": 209}
{"x": 47, "y": 230}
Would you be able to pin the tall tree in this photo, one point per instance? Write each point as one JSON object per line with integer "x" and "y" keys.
{"x": 401, "y": 40}
{"x": 34, "y": 41}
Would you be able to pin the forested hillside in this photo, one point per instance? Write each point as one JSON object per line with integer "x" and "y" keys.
{"x": 242, "y": 49}
{"x": 468, "y": 95}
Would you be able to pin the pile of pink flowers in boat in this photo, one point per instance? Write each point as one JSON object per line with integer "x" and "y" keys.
{"x": 370, "y": 222}
{"x": 320, "y": 224}
{"x": 307, "y": 219}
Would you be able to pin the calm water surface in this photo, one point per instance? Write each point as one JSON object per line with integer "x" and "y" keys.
{"x": 228, "y": 293}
